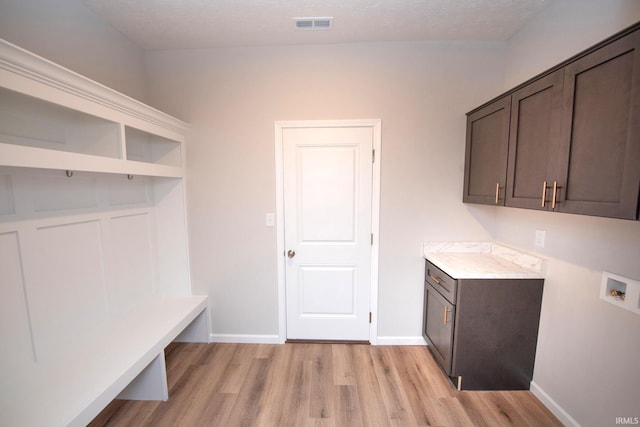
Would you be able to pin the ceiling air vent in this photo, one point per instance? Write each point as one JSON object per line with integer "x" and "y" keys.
{"x": 323, "y": 23}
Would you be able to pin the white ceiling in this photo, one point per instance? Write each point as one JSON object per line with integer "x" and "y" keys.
{"x": 182, "y": 24}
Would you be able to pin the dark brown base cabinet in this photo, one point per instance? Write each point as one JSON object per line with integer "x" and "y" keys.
{"x": 567, "y": 140}
{"x": 482, "y": 332}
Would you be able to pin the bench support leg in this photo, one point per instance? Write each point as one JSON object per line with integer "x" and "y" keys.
{"x": 197, "y": 331}
{"x": 150, "y": 384}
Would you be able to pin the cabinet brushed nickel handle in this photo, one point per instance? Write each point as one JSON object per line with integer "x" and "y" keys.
{"x": 497, "y": 192}
{"x": 435, "y": 279}
{"x": 446, "y": 312}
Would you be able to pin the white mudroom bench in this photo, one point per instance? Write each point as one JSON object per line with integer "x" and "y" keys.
{"x": 122, "y": 359}
{"x": 94, "y": 260}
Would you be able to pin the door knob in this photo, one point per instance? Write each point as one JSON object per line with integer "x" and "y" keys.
{"x": 291, "y": 253}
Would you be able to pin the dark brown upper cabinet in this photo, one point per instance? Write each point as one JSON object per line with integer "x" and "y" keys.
{"x": 573, "y": 137}
{"x": 600, "y": 141}
{"x": 533, "y": 142}
{"x": 486, "y": 153}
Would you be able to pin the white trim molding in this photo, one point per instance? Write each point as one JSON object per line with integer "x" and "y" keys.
{"x": 31, "y": 73}
{"x": 417, "y": 340}
{"x": 553, "y": 406}
{"x": 376, "y": 126}
{"x": 245, "y": 339}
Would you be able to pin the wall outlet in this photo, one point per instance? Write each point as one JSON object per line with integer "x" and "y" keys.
{"x": 540, "y": 236}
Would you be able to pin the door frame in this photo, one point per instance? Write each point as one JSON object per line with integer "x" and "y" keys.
{"x": 280, "y": 126}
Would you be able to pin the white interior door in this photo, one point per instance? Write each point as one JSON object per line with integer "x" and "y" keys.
{"x": 327, "y": 180}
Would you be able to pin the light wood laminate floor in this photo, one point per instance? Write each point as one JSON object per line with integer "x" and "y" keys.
{"x": 302, "y": 384}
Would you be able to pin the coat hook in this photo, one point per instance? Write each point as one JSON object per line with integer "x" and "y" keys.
{"x": 129, "y": 177}
{"x": 69, "y": 173}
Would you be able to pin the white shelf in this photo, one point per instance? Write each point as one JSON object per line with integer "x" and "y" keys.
{"x": 146, "y": 147}
{"x": 31, "y": 157}
{"x": 29, "y": 121}
{"x": 51, "y": 117}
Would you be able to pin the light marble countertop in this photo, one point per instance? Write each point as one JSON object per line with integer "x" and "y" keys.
{"x": 483, "y": 260}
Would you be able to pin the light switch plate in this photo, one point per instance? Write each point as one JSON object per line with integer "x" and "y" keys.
{"x": 540, "y": 237}
{"x": 270, "y": 219}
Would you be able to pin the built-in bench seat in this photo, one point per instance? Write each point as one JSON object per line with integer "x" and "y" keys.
{"x": 94, "y": 255}
{"x": 123, "y": 358}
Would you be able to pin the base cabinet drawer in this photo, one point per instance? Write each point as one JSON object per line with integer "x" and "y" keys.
{"x": 441, "y": 281}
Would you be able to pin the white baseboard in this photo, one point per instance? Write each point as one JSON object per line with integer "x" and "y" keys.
{"x": 418, "y": 340}
{"x": 245, "y": 339}
{"x": 553, "y": 406}
{"x": 275, "y": 339}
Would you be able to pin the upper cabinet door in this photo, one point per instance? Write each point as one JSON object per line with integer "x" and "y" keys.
{"x": 533, "y": 140}
{"x": 599, "y": 155}
{"x": 486, "y": 153}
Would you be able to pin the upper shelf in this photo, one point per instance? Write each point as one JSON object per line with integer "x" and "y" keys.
{"x": 51, "y": 117}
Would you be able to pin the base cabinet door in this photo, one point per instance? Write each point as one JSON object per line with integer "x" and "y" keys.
{"x": 438, "y": 326}
{"x": 496, "y": 333}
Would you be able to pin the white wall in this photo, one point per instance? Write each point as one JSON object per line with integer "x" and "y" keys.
{"x": 232, "y": 97}
{"x": 68, "y": 33}
{"x": 587, "y": 359}
{"x": 563, "y": 29}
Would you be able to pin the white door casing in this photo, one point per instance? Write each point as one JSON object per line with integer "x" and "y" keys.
{"x": 327, "y": 213}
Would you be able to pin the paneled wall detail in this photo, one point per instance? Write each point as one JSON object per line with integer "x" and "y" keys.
{"x": 132, "y": 260}
{"x": 15, "y": 329}
{"x": 66, "y": 264}
{"x": 80, "y": 247}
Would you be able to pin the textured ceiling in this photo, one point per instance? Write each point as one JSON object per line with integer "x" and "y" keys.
{"x": 180, "y": 24}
